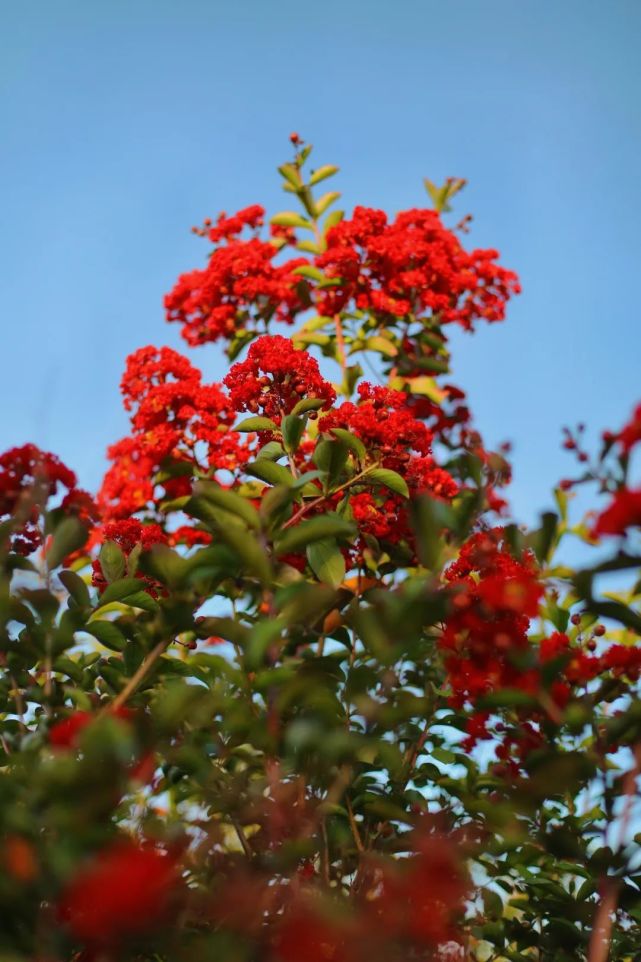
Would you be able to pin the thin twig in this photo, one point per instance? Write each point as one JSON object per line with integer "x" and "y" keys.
{"x": 599, "y": 948}
{"x": 242, "y": 838}
{"x": 354, "y": 827}
{"x": 139, "y": 675}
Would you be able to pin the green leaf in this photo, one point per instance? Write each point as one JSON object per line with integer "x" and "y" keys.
{"x": 544, "y": 539}
{"x": 107, "y": 634}
{"x": 327, "y": 170}
{"x": 289, "y": 218}
{"x": 270, "y": 472}
{"x": 314, "y": 529}
{"x": 256, "y": 424}
{"x": 275, "y": 501}
{"x": 306, "y": 270}
{"x": 308, "y": 246}
{"x": 271, "y": 451}
{"x": 330, "y": 457}
{"x": 142, "y": 599}
{"x": 326, "y": 201}
{"x": 290, "y": 173}
{"x": 308, "y": 404}
{"x": 229, "y": 501}
{"x": 112, "y": 561}
{"x": 311, "y": 337}
{"x": 390, "y": 479}
{"x": 250, "y": 552}
{"x": 165, "y": 564}
{"x": 326, "y": 561}
{"x": 76, "y": 587}
{"x": 292, "y": 428}
{"x": 120, "y": 589}
{"x": 70, "y": 668}
{"x": 429, "y": 519}
{"x": 353, "y": 443}
{"x": 70, "y": 535}
{"x": 333, "y": 219}
{"x": 381, "y": 345}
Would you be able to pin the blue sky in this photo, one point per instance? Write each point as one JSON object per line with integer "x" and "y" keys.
{"x": 127, "y": 121}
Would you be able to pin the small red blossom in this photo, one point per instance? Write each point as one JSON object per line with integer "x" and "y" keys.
{"x": 623, "y": 512}
{"x": 274, "y": 377}
{"x": 494, "y": 596}
{"x": 124, "y": 890}
{"x": 630, "y": 434}
{"x": 129, "y": 535}
{"x": 240, "y": 285}
{"x": 65, "y": 733}
{"x": 28, "y": 478}
{"x": 384, "y": 421}
{"x": 177, "y": 421}
{"x": 412, "y": 266}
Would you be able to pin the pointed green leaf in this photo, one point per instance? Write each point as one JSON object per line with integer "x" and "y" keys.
{"x": 256, "y": 423}
{"x": 76, "y": 587}
{"x": 229, "y": 501}
{"x": 107, "y": 634}
{"x": 390, "y": 479}
{"x": 70, "y": 535}
{"x": 327, "y": 170}
{"x": 326, "y": 561}
{"x": 314, "y": 529}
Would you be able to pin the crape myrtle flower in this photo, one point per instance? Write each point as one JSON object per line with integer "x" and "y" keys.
{"x": 413, "y": 265}
{"x": 124, "y": 890}
{"x": 29, "y": 477}
{"x": 274, "y": 377}
{"x": 240, "y": 284}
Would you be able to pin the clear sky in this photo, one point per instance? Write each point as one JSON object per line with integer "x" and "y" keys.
{"x": 124, "y": 122}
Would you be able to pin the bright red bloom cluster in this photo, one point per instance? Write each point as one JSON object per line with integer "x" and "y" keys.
{"x": 130, "y": 536}
{"x": 630, "y": 434}
{"x": 383, "y": 420}
{"x": 274, "y": 377}
{"x": 241, "y": 282}
{"x": 494, "y": 596}
{"x": 414, "y": 902}
{"x": 125, "y": 890}
{"x": 28, "y": 478}
{"x": 396, "y": 440}
{"x": 623, "y": 512}
{"x": 413, "y": 266}
{"x": 66, "y": 732}
{"x": 174, "y": 417}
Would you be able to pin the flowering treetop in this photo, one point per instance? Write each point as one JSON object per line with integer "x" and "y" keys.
{"x": 294, "y": 685}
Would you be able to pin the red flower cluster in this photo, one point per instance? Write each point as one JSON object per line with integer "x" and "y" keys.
{"x": 493, "y": 597}
{"x": 630, "y": 434}
{"x": 241, "y": 282}
{"x": 410, "y": 902}
{"x": 580, "y": 667}
{"x": 174, "y": 417}
{"x": 623, "y": 512}
{"x": 125, "y": 890}
{"x": 66, "y": 732}
{"x": 131, "y": 537}
{"x": 274, "y": 377}
{"x": 28, "y": 478}
{"x": 385, "y": 423}
{"x": 413, "y": 266}
{"x": 394, "y": 439}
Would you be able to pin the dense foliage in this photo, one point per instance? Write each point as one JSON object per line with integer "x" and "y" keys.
{"x": 293, "y": 687}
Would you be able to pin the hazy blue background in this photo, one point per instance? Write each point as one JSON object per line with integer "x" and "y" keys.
{"x": 126, "y": 121}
